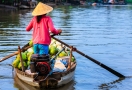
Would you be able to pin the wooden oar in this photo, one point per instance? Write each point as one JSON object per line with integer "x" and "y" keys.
{"x": 15, "y": 53}
{"x": 23, "y": 49}
{"x": 95, "y": 61}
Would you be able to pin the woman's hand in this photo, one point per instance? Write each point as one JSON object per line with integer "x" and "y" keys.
{"x": 60, "y": 31}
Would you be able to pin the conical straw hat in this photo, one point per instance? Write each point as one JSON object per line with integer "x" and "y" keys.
{"x": 41, "y": 9}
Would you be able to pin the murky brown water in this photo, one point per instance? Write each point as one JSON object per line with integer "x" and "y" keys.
{"x": 103, "y": 32}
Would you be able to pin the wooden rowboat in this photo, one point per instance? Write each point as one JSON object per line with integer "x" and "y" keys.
{"x": 54, "y": 80}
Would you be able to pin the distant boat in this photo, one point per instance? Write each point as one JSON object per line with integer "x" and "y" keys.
{"x": 109, "y": 2}
{"x": 27, "y": 5}
{"x": 7, "y": 6}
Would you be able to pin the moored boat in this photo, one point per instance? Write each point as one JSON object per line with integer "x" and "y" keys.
{"x": 26, "y": 7}
{"x": 39, "y": 74}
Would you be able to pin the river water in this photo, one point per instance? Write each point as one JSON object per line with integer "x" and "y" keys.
{"x": 101, "y": 32}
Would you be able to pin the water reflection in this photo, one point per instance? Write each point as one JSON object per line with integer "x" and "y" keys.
{"x": 108, "y": 86}
{"x": 9, "y": 18}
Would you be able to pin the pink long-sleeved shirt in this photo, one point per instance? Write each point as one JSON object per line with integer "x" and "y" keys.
{"x": 41, "y": 33}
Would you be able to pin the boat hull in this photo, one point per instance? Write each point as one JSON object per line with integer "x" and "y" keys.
{"x": 54, "y": 81}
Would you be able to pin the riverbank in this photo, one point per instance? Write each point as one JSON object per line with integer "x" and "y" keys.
{"x": 48, "y": 3}
{"x": 27, "y": 7}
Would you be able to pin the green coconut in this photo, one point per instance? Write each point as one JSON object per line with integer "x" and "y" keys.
{"x": 53, "y": 50}
{"x": 15, "y": 63}
{"x": 62, "y": 54}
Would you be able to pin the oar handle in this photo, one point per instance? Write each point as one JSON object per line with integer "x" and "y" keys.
{"x": 15, "y": 53}
{"x": 23, "y": 49}
{"x": 95, "y": 61}
{"x": 61, "y": 41}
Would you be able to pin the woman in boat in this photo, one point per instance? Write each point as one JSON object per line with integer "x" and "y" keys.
{"x": 41, "y": 24}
